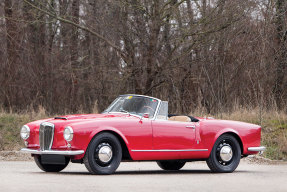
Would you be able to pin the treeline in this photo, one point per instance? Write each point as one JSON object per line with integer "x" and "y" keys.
{"x": 77, "y": 55}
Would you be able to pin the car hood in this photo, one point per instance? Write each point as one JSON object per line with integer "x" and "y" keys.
{"x": 86, "y": 117}
{"x": 89, "y": 116}
{"x": 60, "y": 121}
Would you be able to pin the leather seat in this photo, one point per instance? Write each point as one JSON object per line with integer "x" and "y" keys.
{"x": 180, "y": 118}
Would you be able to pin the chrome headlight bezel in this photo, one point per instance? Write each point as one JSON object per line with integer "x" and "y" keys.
{"x": 68, "y": 133}
{"x": 25, "y": 132}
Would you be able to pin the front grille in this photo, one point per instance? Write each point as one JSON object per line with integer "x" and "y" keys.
{"x": 46, "y": 135}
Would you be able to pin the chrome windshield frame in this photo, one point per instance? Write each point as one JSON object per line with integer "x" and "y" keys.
{"x": 161, "y": 102}
{"x": 156, "y": 110}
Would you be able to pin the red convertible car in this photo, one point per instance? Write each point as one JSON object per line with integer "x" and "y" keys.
{"x": 138, "y": 128}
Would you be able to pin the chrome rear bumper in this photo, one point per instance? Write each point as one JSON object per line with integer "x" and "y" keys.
{"x": 52, "y": 152}
{"x": 261, "y": 148}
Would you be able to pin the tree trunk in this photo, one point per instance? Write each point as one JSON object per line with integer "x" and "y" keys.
{"x": 281, "y": 56}
{"x": 13, "y": 56}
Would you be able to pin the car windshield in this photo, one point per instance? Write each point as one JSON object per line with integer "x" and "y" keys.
{"x": 137, "y": 105}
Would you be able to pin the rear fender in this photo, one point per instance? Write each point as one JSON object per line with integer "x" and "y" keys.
{"x": 226, "y": 131}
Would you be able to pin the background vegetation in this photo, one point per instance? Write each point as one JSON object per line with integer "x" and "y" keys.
{"x": 226, "y": 58}
{"x": 274, "y": 128}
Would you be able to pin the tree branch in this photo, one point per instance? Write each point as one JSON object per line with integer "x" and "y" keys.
{"x": 118, "y": 49}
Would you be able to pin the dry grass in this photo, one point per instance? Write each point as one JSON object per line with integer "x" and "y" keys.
{"x": 274, "y": 127}
{"x": 10, "y": 124}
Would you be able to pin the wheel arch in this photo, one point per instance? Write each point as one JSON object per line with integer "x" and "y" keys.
{"x": 235, "y": 135}
{"x": 124, "y": 144}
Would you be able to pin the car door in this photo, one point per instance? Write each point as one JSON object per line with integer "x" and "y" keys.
{"x": 173, "y": 134}
{"x": 176, "y": 139}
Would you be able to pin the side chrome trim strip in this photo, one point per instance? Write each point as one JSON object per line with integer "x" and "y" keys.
{"x": 261, "y": 148}
{"x": 170, "y": 150}
{"x": 54, "y": 152}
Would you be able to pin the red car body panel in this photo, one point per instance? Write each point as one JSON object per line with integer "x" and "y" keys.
{"x": 148, "y": 139}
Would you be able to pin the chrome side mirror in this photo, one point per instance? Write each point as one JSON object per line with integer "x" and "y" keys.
{"x": 146, "y": 115}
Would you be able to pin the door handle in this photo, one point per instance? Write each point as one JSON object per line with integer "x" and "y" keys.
{"x": 190, "y": 126}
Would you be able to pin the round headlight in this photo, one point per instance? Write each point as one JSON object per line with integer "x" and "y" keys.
{"x": 68, "y": 133}
{"x": 25, "y": 132}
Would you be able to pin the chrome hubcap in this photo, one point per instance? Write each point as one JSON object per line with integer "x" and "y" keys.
{"x": 105, "y": 153}
{"x": 226, "y": 153}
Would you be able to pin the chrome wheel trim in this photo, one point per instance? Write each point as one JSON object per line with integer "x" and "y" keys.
{"x": 105, "y": 153}
{"x": 226, "y": 153}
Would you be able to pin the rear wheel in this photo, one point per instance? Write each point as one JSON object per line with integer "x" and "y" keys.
{"x": 103, "y": 155}
{"x": 225, "y": 155}
{"x": 171, "y": 165}
{"x": 51, "y": 167}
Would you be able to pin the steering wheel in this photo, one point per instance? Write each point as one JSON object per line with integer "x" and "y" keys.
{"x": 149, "y": 108}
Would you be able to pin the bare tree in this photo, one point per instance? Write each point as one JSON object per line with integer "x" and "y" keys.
{"x": 213, "y": 55}
{"x": 281, "y": 54}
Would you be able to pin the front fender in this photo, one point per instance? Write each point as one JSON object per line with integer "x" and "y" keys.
{"x": 85, "y": 141}
{"x": 109, "y": 129}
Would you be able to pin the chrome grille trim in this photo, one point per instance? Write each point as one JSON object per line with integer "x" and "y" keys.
{"x": 46, "y": 135}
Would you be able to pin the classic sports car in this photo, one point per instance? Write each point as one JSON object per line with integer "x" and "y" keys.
{"x": 138, "y": 128}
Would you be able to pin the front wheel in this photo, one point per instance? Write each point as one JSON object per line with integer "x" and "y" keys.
{"x": 225, "y": 155}
{"x": 171, "y": 165}
{"x": 51, "y": 167}
{"x": 103, "y": 155}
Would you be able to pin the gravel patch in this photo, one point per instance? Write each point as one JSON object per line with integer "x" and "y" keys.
{"x": 257, "y": 159}
{"x": 15, "y": 156}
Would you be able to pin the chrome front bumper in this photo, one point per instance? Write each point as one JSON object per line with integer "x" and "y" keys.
{"x": 261, "y": 148}
{"x": 51, "y": 152}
